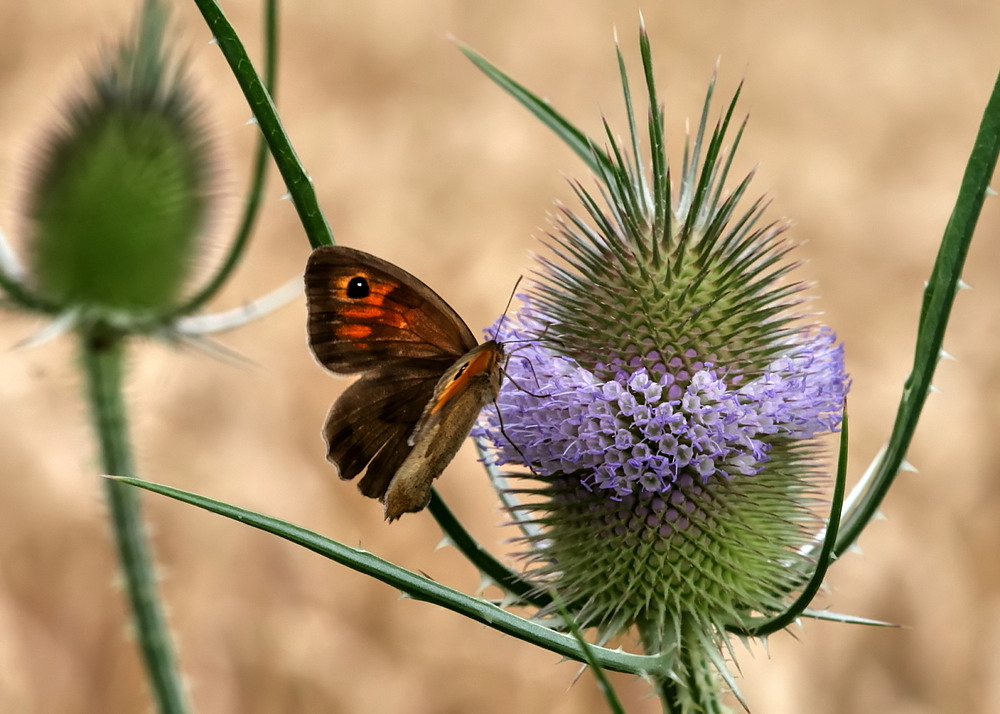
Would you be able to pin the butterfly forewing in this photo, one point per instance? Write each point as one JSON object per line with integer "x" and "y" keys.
{"x": 478, "y": 371}
{"x": 365, "y": 312}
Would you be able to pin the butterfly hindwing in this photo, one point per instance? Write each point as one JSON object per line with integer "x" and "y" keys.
{"x": 370, "y": 423}
{"x": 458, "y": 397}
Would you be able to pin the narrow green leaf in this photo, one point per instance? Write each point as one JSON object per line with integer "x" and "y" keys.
{"x": 416, "y": 586}
{"x": 575, "y": 139}
{"x": 939, "y": 297}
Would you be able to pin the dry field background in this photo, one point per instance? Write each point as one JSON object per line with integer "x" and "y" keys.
{"x": 861, "y": 117}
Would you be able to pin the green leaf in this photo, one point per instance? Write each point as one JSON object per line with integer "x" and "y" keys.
{"x": 939, "y": 297}
{"x": 417, "y": 586}
{"x": 579, "y": 142}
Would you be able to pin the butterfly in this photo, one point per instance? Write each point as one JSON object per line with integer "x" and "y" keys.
{"x": 424, "y": 375}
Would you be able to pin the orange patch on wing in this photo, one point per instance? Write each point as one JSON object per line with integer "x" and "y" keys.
{"x": 354, "y": 332}
{"x": 376, "y": 315}
{"x": 477, "y": 365}
{"x": 363, "y": 312}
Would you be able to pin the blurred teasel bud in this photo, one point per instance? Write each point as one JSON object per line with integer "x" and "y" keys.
{"x": 120, "y": 190}
{"x": 665, "y": 396}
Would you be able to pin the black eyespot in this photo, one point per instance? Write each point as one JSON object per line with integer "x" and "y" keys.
{"x": 459, "y": 372}
{"x": 357, "y": 287}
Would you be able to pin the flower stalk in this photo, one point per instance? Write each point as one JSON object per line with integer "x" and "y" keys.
{"x": 261, "y": 103}
{"x": 102, "y": 358}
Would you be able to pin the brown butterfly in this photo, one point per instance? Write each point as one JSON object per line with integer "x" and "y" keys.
{"x": 424, "y": 376}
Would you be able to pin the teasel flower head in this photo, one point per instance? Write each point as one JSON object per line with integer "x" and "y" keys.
{"x": 119, "y": 193}
{"x": 665, "y": 394}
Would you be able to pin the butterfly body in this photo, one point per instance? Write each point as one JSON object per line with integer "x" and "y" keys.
{"x": 424, "y": 376}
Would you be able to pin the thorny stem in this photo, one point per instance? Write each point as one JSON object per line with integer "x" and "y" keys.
{"x": 103, "y": 358}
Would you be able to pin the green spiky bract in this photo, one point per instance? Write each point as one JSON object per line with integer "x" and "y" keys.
{"x": 121, "y": 192}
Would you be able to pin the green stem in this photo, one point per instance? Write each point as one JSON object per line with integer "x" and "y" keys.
{"x": 603, "y": 683}
{"x": 103, "y": 357}
{"x": 668, "y": 688}
{"x": 696, "y": 678}
{"x": 299, "y": 184}
{"x": 251, "y": 207}
{"x": 669, "y": 693}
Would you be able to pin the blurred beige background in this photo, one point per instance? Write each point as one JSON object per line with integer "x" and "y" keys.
{"x": 861, "y": 117}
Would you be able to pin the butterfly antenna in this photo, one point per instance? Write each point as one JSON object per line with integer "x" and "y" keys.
{"x": 524, "y": 340}
{"x": 503, "y": 317}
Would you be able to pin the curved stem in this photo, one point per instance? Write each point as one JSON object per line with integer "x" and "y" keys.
{"x": 11, "y": 282}
{"x": 252, "y": 206}
{"x": 766, "y": 626}
{"x": 103, "y": 356}
{"x": 296, "y": 179}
